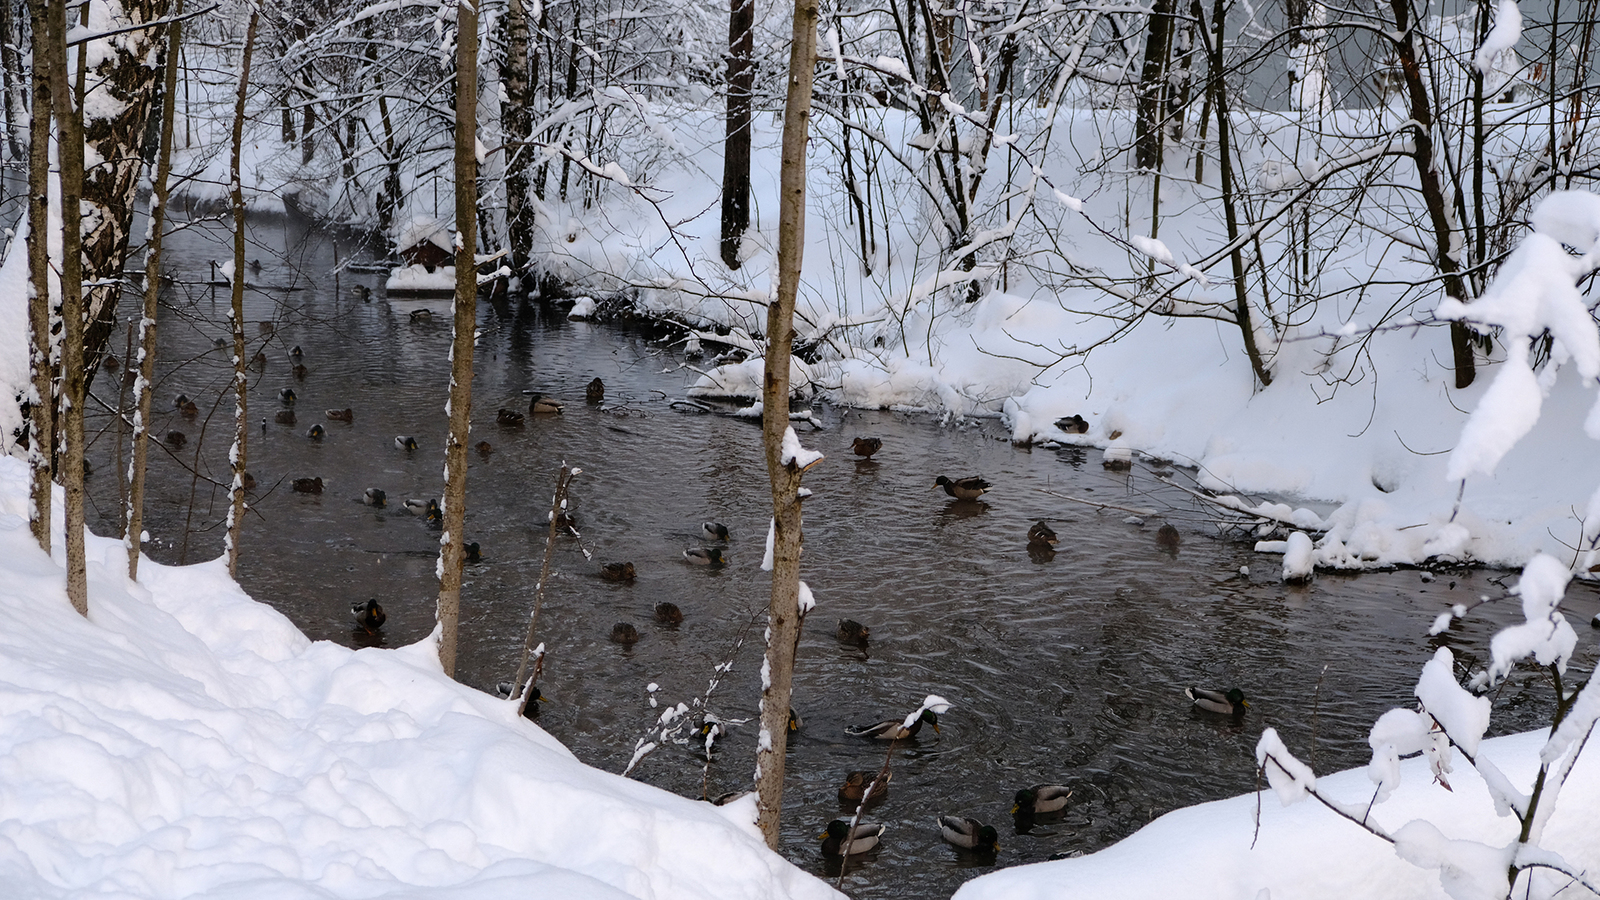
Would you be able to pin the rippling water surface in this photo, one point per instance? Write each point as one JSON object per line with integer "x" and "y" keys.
{"x": 1068, "y": 669}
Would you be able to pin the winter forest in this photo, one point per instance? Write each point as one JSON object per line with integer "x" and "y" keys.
{"x": 1187, "y": 410}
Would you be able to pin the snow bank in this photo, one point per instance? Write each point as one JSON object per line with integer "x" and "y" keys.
{"x": 185, "y": 740}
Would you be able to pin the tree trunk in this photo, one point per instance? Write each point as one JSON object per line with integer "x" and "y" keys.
{"x": 1152, "y": 104}
{"x": 1433, "y": 195}
{"x": 783, "y": 610}
{"x": 70, "y": 160}
{"x": 736, "y": 146}
{"x": 517, "y": 127}
{"x": 42, "y": 406}
{"x": 17, "y": 128}
{"x": 466, "y": 318}
{"x": 134, "y": 534}
{"x": 122, "y": 80}
{"x": 241, "y": 380}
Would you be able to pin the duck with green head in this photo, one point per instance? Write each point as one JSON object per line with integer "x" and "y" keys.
{"x": 839, "y": 838}
{"x": 969, "y": 834}
{"x": 1227, "y": 703}
{"x": 969, "y": 488}
{"x": 895, "y": 729}
{"x": 1041, "y": 798}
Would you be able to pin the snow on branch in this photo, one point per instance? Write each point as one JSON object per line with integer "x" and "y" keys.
{"x": 1545, "y": 635}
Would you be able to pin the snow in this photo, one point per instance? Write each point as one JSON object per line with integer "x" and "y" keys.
{"x": 1503, "y": 36}
{"x": 185, "y": 740}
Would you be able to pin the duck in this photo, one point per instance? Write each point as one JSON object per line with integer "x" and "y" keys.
{"x": 284, "y": 417}
{"x": 259, "y": 361}
{"x": 286, "y": 396}
{"x": 266, "y": 327}
{"x": 484, "y": 448}
{"x": 1042, "y": 535}
{"x": 405, "y": 442}
{"x": 595, "y": 392}
{"x": 865, "y": 447}
{"x": 969, "y": 834}
{"x": 177, "y": 439}
{"x": 341, "y": 415}
{"x": 369, "y": 615}
{"x": 860, "y": 839}
{"x": 471, "y": 552}
{"x": 255, "y": 267}
{"x": 1041, "y": 798}
{"x": 1073, "y": 424}
{"x": 795, "y": 723}
{"x": 186, "y": 407}
{"x": 316, "y": 432}
{"x": 624, "y": 634}
{"x": 308, "y": 485}
{"x": 1228, "y": 703}
{"x": 374, "y": 497}
{"x": 299, "y": 371}
{"x": 710, "y": 728}
{"x": 895, "y": 729}
{"x": 111, "y": 363}
{"x": 668, "y": 613}
{"x": 530, "y": 710}
{"x": 509, "y": 417}
{"x": 421, "y": 315}
{"x": 422, "y": 508}
{"x": 970, "y": 488}
{"x": 248, "y": 481}
{"x": 296, "y": 355}
{"x": 363, "y": 293}
{"x": 705, "y": 556}
{"x": 853, "y": 632}
{"x": 716, "y": 531}
{"x": 855, "y": 787}
{"x": 1167, "y": 537}
{"x": 540, "y": 405}
{"x": 617, "y": 571}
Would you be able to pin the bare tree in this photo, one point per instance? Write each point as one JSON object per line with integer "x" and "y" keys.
{"x": 241, "y": 380}
{"x": 466, "y": 319}
{"x": 783, "y": 609}
{"x": 41, "y": 407}
{"x": 741, "y": 79}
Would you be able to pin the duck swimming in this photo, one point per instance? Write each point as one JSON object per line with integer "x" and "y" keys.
{"x": 1041, "y": 798}
{"x": 705, "y": 556}
{"x": 286, "y": 396}
{"x": 970, "y": 488}
{"x": 284, "y": 417}
{"x": 895, "y": 729}
{"x": 369, "y": 615}
{"x": 316, "y": 433}
{"x": 509, "y": 417}
{"x": 540, "y": 405}
{"x": 969, "y": 834}
{"x": 855, "y": 788}
{"x": 374, "y": 497}
{"x": 595, "y": 392}
{"x": 716, "y": 531}
{"x": 865, "y": 447}
{"x": 1228, "y": 703}
{"x": 341, "y": 415}
{"x": 405, "y": 442}
{"x": 617, "y": 571}
{"x": 860, "y": 839}
{"x": 1042, "y": 535}
{"x": 308, "y": 485}
{"x": 624, "y": 634}
{"x": 668, "y": 613}
{"x": 853, "y": 632}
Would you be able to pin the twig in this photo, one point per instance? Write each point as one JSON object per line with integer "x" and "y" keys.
{"x": 557, "y": 506}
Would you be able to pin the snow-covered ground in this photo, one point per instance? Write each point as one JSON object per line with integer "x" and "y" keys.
{"x": 187, "y": 741}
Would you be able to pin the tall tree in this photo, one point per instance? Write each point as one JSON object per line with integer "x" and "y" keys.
{"x": 70, "y": 159}
{"x": 517, "y": 129}
{"x": 241, "y": 380}
{"x": 736, "y": 145}
{"x": 466, "y": 319}
{"x": 133, "y": 535}
{"x": 783, "y": 470}
{"x": 41, "y": 407}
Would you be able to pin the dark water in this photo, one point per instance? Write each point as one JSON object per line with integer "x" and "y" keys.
{"x": 1064, "y": 670}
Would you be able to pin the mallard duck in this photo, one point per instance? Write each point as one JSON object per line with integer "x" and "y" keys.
{"x": 421, "y": 315}
{"x": 299, "y": 372}
{"x": 1073, "y": 424}
{"x": 540, "y": 405}
{"x": 363, "y": 293}
{"x": 220, "y": 343}
{"x": 284, "y": 417}
{"x": 341, "y": 415}
{"x": 484, "y": 448}
{"x": 308, "y": 485}
{"x": 266, "y": 327}
{"x": 865, "y": 447}
{"x": 509, "y": 417}
{"x": 259, "y": 361}
{"x": 705, "y": 556}
{"x": 795, "y": 724}
{"x": 405, "y": 442}
{"x": 471, "y": 552}
{"x": 595, "y": 392}
{"x": 853, "y": 632}
{"x": 1041, "y": 798}
{"x": 969, "y": 488}
{"x": 710, "y": 729}
{"x": 286, "y": 396}
{"x": 176, "y": 439}
{"x": 715, "y": 531}
{"x": 369, "y": 615}
{"x": 316, "y": 432}
{"x": 617, "y": 571}
{"x": 969, "y": 834}
{"x": 1227, "y": 703}
{"x": 859, "y": 839}
{"x": 895, "y": 729}
{"x": 623, "y": 633}
{"x": 296, "y": 355}
{"x": 422, "y": 508}
{"x": 1042, "y": 535}
{"x": 668, "y": 613}
{"x": 530, "y": 708}
{"x": 725, "y": 798}
{"x": 374, "y": 497}
{"x": 248, "y": 482}
{"x": 255, "y": 266}
{"x": 1167, "y": 537}
{"x": 111, "y": 363}
{"x": 855, "y": 787}
{"x": 182, "y": 404}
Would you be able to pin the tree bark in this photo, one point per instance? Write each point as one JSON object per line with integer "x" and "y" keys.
{"x": 70, "y": 159}
{"x": 517, "y": 127}
{"x": 241, "y": 380}
{"x": 736, "y": 145}
{"x": 466, "y": 318}
{"x": 17, "y": 129}
{"x": 1152, "y": 105}
{"x": 783, "y": 610}
{"x": 41, "y": 310}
